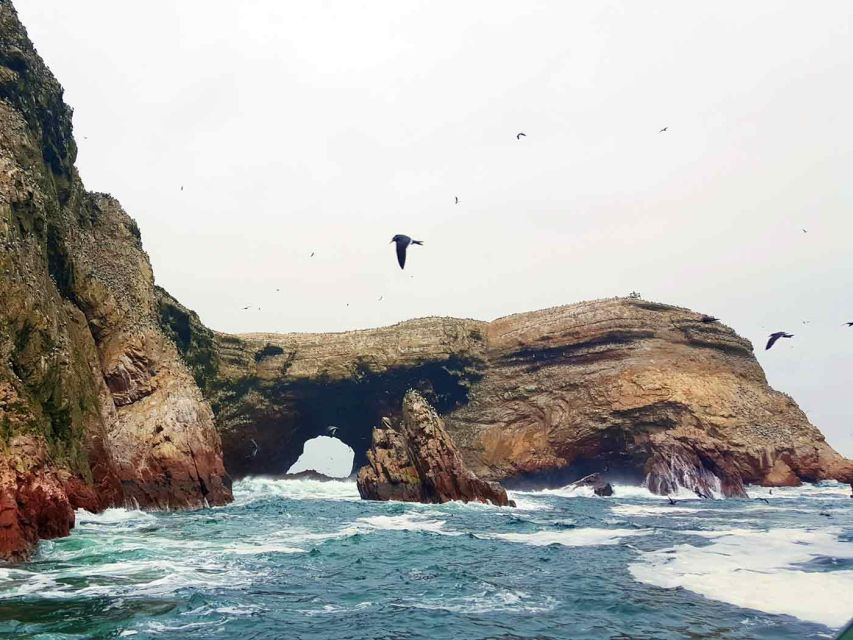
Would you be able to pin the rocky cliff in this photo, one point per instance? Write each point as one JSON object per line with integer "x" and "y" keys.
{"x": 96, "y": 407}
{"x": 415, "y": 460}
{"x": 630, "y": 388}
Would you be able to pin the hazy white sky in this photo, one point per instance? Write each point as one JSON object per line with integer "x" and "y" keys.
{"x": 330, "y": 126}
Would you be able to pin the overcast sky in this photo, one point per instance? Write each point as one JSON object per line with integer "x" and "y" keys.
{"x": 330, "y": 126}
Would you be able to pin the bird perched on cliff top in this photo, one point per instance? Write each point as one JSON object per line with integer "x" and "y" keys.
{"x": 775, "y": 336}
{"x": 708, "y": 319}
{"x": 403, "y": 243}
{"x": 519, "y": 135}
{"x": 664, "y": 129}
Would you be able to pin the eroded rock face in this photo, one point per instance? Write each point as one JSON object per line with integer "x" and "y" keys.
{"x": 96, "y": 406}
{"x": 416, "y": 461}
{"x": 633, "y": 389}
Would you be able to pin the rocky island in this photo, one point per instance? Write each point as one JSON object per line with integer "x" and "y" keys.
{"x": 112, "y": 393}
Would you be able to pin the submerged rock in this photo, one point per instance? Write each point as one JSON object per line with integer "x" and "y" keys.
{"x": 600, "y": 487}
{"x": 416, "y": 461}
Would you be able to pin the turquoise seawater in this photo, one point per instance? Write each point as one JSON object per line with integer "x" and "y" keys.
{"x": 303, "y": 559}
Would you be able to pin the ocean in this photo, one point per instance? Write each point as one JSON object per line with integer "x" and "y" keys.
{"x": 307, "y": 559}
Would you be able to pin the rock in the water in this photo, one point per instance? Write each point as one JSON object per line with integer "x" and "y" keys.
{"x": 416, "y": 461}
{"x": 605, "y": 489}
{"x": 600, "y": 487}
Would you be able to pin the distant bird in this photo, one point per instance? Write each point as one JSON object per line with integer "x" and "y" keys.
{"x": 403, "y": 243}
{"x": 380, "y": 298}
{"x": 457, "y": 200}
{"x": 671, "y": 501}
{"x": 519, "y": 135}
{"x": 312, "y": 255}
{"x": 278, "y": 289}
{"x": 244, "y": 308}
{"x": 709, "y": 319}
{"x": 775, "y": 336}
{"x": 806, "y": 321}
{"x": 332, "y": 430}
{"x": 664, "y": 129}
{"x": 849, "y": 324}
{"x": 804, "y": 231}
{"x": 764, "y": 500}
{"x": 255, "y": 452}
{"x": 182, "y": 187}
{"x": 771, "y": 492}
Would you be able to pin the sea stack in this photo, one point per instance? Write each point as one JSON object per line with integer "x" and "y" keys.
{"x": 415, "y": 460}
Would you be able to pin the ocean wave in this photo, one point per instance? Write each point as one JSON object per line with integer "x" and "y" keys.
{"x": 760, "y": 570}
{"x": 588, "y": 537}
{"x": 255, "y": 488}
{"x": 494, "y": 601}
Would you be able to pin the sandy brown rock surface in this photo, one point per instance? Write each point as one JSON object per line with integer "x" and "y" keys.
{"x": 630, "y": 388}
{"x": 415, "y": 460}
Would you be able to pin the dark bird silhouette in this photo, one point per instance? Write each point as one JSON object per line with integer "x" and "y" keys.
{"x": 849, "y": 324}
{"x": 664, "y": 129}
{"x": 775, "y": 336}
{"x": 709, "y": 319}
{"x": 403, "y": 243}
{"x": 457, "y": 200}
{"x": 312, "y": 255}
{"x": 255, "y": 452}
{"x": 249, "y": 307}
{"x": 764, "y": 500}
{"x": 804, "y": 231}
{"x": 519, "y": 135}
{"x": 671, "y": 501}
{"x": 182, "y": 187}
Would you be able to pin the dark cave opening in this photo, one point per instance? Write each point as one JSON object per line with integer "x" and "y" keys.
{"x": 270, "y": 442}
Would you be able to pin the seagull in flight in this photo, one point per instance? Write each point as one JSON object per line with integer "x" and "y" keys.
{"x": 312, "y": 255}
{"x": 249, "y": 307}
{"x": 332, "y": 430}
{"x": 664, "y": 129}
{"x": 403, "y": 243}
{"x": 849, "y": 324}
{"x": 457, "y": 200}
{"x": 519, "y": 135}
{"x": 775, "y": 336}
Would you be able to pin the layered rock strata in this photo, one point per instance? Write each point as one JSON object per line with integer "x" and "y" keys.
{"x": 633, "y": 389}
{"x": 415, "y": 461}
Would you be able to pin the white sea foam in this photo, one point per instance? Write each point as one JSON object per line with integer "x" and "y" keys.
{"x": 494, "y": 601}
{"x": 253, "y": 488}
{"x": 651, "y": 510}
{"x": 405, "y": 522}
{"x": 572, "y": 537}
{"x": 758, "y": 570}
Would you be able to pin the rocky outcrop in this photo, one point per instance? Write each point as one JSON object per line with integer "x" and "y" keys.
{"x": 416, "y": 461}
{"x": 633, "y": 389}
{"x": 96, "y": 406}
{"x": 596, "y": 481}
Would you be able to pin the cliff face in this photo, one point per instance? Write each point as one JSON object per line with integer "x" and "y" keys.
{"x": 96, "y": 407}
{"x": 624, "y": 387}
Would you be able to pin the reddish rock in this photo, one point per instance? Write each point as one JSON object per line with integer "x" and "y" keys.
{"x": 416, "y": 461}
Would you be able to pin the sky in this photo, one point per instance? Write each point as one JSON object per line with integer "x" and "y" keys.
{"x": 328, "y": 127}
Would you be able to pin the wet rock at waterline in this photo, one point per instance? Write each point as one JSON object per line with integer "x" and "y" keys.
{"x": 415, "y": 460}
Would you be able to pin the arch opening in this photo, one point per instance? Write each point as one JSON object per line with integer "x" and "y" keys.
{"x": 326, "y": 455}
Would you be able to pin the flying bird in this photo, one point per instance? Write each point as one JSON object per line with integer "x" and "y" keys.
{"x": 775, "y": 336}
{"x": 403, "y": 243}
{"x": 664, "y": 129}
{"x": 457, "y": 200}
{"x": 708, "y": 319}
{"x": 182, "y": 187}
{"x": 255, "y": 452}
{"x": 519, "y": 135}
{"x": 849, "y": 324}
{"x": 332, "y": 430}
{"x": 312, "y": 255}
{"x": 380, "y": 298}
{"x": 244, "y": 308}
{"x": 671, "y": 501}
{"x": 764, "y": 500}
